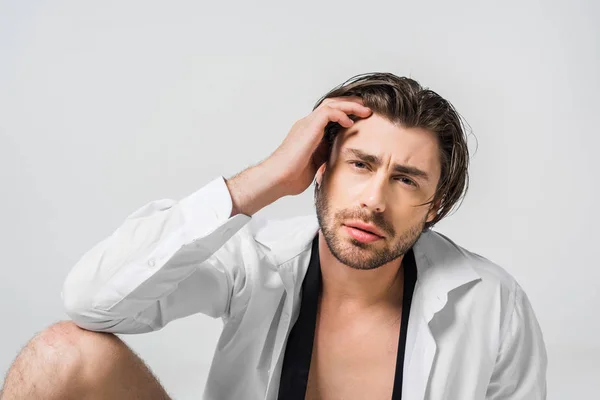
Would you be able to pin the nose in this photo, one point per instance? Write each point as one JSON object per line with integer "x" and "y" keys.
{"x": 373, "y": 196}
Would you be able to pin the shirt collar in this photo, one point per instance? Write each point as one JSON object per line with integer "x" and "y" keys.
{"x": 442, "y": 266}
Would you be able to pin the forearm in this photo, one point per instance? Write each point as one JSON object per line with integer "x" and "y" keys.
{"x": 254, "y": 188}
{"x": 152, "y": 268}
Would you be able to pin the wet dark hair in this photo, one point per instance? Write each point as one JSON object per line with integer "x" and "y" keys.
{"x": 405, "y": 102}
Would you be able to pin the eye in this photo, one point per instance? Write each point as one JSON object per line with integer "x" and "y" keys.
{"x": 357, "y": 163}
{"x": 407, "y": 181}
{"x": 404, "y": 179}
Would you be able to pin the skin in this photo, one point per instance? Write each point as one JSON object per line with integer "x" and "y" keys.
{"x": 359, "y": 275}
{"x": 358, "y": 279}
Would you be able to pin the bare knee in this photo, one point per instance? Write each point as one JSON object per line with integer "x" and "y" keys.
{"x": 56, "y": 361}
{"x": 66, "y": 344}
{"x": 68, "y": 362}
{"x": 91, "y": 356}
{"x": 100, "y": 359}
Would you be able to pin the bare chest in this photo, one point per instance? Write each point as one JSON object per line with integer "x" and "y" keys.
{"x": 354, "y": 359}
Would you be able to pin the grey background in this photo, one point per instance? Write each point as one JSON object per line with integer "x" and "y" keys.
{"x": 105, "y": 106}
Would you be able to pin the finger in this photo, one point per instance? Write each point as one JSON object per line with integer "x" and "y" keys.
{"x": 335, "y": 115}
{"x": 356, "y": 99}
{"x": 350, "y": 107}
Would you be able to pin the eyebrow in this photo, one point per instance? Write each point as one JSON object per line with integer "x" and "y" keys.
{"x": 376, "y": 160}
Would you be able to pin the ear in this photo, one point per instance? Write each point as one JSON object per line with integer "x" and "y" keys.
{"x": 319, "y": 173}
{"x": 433, "y": 209}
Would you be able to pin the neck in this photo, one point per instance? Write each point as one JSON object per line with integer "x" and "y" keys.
{"x": 355, "y": 289}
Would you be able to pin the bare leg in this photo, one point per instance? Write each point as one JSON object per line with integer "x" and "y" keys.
{"x": 67, "y": 362}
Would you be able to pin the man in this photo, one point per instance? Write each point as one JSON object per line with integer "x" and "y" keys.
{"x": 360, "y": 301}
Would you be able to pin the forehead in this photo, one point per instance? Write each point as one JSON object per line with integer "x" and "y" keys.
{"x": 394, "y": 144}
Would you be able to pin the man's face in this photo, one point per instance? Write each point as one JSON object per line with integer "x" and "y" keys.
{"x": 355, "y": 188}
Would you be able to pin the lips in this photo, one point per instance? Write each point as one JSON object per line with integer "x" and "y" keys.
{"x": 365, "y": 227}
{"x": 362, "y": 236}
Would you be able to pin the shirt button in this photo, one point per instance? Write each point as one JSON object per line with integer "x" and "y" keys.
{"x": 151, "y": 262}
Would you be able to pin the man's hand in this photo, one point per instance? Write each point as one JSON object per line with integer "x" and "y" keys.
{"x": 292, "y": 167}
{"x": 303, "y": 151}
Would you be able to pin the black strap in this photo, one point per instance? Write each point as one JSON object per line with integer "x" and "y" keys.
{"x": 410, "y": 279}
{"x": 298, "y": 351}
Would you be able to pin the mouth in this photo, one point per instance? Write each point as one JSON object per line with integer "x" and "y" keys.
{"x": 361, "y": 235}
{"x": 368, "y": 228}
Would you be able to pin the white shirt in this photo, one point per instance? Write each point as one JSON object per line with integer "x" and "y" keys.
{"x": 472, "y": 333}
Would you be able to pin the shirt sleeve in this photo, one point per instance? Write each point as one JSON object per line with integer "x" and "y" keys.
{"x": 168, "y": 259}
{"x": 520, "y": 371}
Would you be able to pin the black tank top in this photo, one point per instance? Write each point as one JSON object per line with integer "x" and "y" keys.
{"x": 298, "y": 351}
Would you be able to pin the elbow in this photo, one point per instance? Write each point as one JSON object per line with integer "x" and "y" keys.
{"x": 77, "y": 300}
{"x": 78, "y": 308}
{"x": 77, "y": 304}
